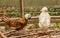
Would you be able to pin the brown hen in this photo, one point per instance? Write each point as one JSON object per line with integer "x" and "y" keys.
{"x": 17, "y": 24}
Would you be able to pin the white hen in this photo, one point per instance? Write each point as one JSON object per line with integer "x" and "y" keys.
{"x": 44, "y": 17}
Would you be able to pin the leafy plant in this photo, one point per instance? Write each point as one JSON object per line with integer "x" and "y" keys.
{"x": 56, "y": 25}
{"x": 37, "y": 26}
{"x": 7, "y": 27}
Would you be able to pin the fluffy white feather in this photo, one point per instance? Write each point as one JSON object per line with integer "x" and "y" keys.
{"x": 44, "y": 8}
{"x": 27, "y": 16}
{"x": 44, "y": 18}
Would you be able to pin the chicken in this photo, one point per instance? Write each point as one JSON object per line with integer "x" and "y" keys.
{"x": 19, "y": 23}
{"x": 44, "y": 18}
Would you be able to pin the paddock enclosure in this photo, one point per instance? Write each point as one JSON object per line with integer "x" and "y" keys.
{"x": 14, "y": 9}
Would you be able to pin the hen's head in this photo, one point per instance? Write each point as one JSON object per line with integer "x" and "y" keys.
{"x": 28, "y": 16}
{"x": 44, "y": 9}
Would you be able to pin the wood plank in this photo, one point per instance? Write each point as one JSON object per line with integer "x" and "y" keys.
{"x": 36, "y": 20}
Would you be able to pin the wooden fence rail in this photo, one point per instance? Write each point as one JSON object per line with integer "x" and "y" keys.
{"x": 53, "y": 19}
{"x": 36, "y": 20}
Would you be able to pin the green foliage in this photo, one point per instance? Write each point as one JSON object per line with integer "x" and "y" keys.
{"x": 26, "y": 26}
{"x": 36, "y": 11}
{"x": 56, "y": 25}
{"x": 7, "y": 27}
{"x": 37, "y": 26}
{"x": 11, "y": 11}
{"x": 54, "y": 13}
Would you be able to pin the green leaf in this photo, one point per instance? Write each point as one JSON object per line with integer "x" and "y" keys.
{"x": 37, "y": 25}
{"x": 7, "y": 27}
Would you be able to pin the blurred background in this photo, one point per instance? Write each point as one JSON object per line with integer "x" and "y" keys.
{"x": 11, "y": 8}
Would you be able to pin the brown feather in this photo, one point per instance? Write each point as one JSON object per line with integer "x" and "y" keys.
{"x": 20, "y": 23}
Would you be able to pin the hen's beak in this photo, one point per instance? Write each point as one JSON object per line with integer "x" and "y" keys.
{"x": 46, "y": 10}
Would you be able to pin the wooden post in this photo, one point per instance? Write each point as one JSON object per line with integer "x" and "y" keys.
{"x": 21, "y": 8}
